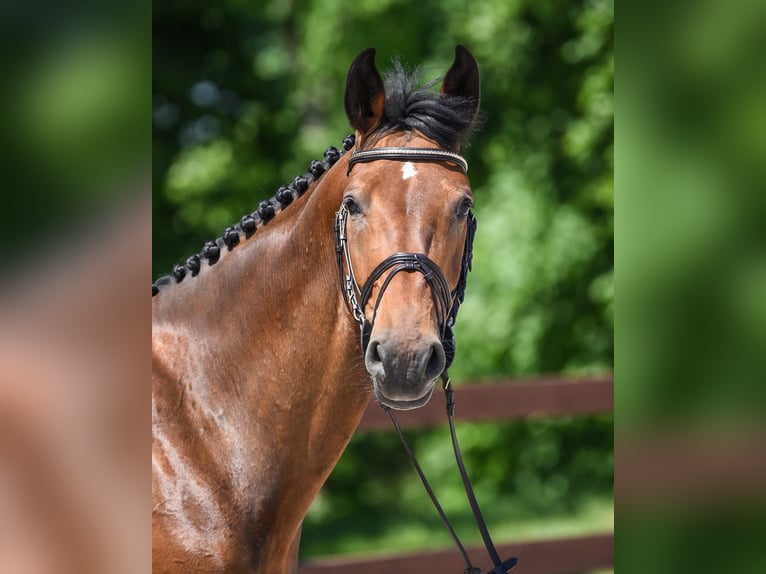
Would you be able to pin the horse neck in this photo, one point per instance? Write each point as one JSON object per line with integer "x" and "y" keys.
{"x": 271, "y": 351}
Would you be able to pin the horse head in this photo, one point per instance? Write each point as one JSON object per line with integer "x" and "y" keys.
{"x": 405, "y": 223}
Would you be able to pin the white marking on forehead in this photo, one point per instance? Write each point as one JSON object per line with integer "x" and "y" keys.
{"x": 408, "y": 170}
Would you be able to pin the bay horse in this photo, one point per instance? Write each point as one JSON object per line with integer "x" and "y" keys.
{"x": 258, "y": 379}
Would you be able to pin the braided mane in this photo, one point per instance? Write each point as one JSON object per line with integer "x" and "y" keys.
{"x": 251, "y": 222}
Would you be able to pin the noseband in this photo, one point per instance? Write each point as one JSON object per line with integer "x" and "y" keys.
{"x": 446, "y": 302}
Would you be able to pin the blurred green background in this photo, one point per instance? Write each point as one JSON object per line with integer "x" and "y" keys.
{"x": 691, "y": 274}
{"x": 74, "y": 109}
{"x": 246, "y": 94}
{"x": 691, "y": 269}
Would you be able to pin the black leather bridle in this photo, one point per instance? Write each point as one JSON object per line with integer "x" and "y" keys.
{"x": 446, "y": 303}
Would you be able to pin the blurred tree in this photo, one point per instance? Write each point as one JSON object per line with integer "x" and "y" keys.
{"x": 245, "y": 95}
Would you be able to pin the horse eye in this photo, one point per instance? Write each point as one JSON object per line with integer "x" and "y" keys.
{"x": 464, "y": 208}
{"x": 351, "y": 205}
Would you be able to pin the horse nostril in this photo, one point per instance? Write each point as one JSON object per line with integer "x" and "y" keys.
{"x": 436, "y": 361}
{"x": 373, "y": 360}
{"x": 373, "y": 354}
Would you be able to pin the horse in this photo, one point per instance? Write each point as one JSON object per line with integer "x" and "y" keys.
{"x": 259, "y": 378}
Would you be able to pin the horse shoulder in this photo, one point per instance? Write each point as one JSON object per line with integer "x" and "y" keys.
{"x": 190, "y": 518}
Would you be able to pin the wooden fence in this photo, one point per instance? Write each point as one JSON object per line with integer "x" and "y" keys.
{"x": 496, "y": 401}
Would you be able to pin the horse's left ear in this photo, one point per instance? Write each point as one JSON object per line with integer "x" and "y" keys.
{"x": 462, "y": 79}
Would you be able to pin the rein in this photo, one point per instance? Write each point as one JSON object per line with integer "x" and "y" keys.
{"x": 446, "y": 303}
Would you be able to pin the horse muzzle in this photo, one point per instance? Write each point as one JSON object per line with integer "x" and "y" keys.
{"x": 404, "y": 375}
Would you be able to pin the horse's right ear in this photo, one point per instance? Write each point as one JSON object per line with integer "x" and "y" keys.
{"x": 365, "y": 97}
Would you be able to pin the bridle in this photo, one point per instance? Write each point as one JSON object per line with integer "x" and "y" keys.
{"x": 446, "y": 303}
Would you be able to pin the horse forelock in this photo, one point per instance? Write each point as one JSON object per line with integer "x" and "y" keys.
{"x": 249, "y": 223}
{"x": 448, "y": 120}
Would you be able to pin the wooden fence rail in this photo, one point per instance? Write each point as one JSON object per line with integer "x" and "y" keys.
{"x": 506, "y": 399}
{"x": 561, "y": 556}
{"x": 496, "y": 401}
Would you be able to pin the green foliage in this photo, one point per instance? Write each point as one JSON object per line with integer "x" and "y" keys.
{"x": 246, "y": 94}
{"x": 522, "y": 472}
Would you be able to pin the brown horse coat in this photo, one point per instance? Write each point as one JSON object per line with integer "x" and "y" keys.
{"x": 258, "y": 379}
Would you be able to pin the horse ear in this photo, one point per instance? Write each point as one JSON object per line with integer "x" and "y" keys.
{"x": 462, "y": 79}
{"x": 365, "y": 96}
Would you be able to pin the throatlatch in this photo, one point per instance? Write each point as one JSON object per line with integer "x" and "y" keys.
{"x": 446, "y": 304}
